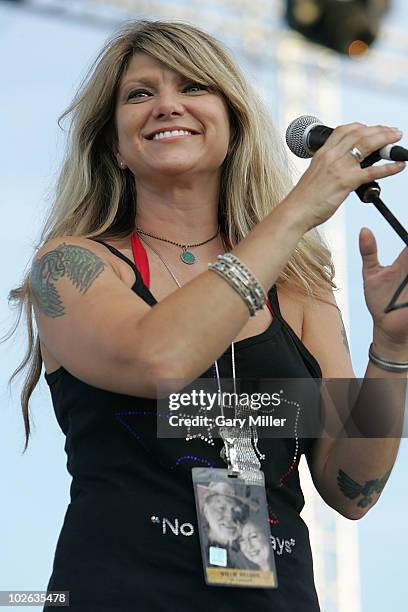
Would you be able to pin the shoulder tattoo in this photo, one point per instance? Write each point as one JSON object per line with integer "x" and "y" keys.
{"x": 80, "y": 265}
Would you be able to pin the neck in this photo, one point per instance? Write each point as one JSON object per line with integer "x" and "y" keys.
{"x": 183, "y": 213}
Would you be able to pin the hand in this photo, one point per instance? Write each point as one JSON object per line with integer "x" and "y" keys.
{"x": 380, "y": 285}
{"x": 334, "y": 173}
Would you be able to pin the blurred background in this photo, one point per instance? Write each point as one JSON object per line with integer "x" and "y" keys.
{"x": 340, "y": 60}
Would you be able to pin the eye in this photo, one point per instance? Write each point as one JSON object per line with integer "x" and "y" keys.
{"x": 197, "y": 86}
{"x": 135, "y": 93}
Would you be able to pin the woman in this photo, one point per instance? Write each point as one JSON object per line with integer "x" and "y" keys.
{"x": 171, "y": 163}
{"x": 254, "y": 546}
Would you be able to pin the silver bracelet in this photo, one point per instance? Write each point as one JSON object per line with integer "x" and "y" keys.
{"x": 246, "y": 275}
{"x": 390, "y": 366}
{"x": 242, "y": 283}
{"x": 240, "y": 279}
{"x": 237, "y": 285}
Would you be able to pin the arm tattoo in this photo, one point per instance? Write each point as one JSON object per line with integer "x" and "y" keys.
{"x": 80, "y": 265}
{"x": 343, "y": 333}
{"x": 352, "y": 489}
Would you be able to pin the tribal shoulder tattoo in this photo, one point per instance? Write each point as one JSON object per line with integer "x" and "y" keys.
{"x": 77, "y": 263}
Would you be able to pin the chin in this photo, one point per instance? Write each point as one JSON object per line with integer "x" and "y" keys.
{"x": 175, "y": 169}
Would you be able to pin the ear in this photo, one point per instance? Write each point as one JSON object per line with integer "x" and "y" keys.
{"x": 112, "y": 143}
{"x": 121, "y": 162}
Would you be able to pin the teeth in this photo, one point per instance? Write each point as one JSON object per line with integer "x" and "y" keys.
{"x": 172, "y": 133}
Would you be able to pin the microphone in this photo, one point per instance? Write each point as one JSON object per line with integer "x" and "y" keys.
{"x": 306, "y": 134}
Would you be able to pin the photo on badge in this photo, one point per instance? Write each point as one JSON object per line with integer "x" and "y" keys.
{"x": 234, "y": 531}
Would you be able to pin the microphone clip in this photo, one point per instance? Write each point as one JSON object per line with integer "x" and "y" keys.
{"x": 369, "y": 192}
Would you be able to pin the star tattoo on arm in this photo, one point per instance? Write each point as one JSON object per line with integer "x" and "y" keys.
{"x": 80, "y": 265}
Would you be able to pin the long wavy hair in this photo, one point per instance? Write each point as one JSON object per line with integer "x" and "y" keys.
{"x": 95, "y": 199}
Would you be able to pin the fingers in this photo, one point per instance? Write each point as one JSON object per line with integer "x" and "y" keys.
{"x": 366, "y": 139}
{"x": 338, "y": 134}
{"x": 334, "y": 173}
{"x": 378, "y": 172}
{"x": 368, "y": 248}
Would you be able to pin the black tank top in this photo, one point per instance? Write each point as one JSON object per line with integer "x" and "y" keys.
{"x": 129, "y": 540}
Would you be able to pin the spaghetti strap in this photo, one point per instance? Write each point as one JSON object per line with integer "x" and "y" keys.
{"x": 273, "y": 296}
{"x": 312, "y": 364}
{"x": 139, "y": 286}
{"x": 119, "y": 254}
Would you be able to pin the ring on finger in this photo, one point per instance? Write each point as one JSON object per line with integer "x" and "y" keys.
{"x": 357, "y": 154}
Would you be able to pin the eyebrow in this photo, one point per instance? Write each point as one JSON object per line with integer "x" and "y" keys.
{"x": 146, "y": 81}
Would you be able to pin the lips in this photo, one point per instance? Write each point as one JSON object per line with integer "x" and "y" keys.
{"x": 228, "y": 526}
{"x": 253, "y": 553}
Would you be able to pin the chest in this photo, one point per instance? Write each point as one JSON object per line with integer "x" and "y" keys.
{"x": 162, "y": 284}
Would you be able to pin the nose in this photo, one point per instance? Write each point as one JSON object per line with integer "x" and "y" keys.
{"x": 168, "y": 106}
{"x": 229, "y": 512}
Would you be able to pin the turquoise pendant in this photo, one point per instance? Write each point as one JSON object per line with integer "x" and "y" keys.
{"x": 187, "y": 257}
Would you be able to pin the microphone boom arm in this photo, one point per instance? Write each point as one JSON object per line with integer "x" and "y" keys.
{"x": 370, "y": 193}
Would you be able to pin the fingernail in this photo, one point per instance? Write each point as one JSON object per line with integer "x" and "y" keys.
{"x": 394, "y": 129}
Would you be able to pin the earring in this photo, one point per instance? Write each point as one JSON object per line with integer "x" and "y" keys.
{"x": 122, "y": 165}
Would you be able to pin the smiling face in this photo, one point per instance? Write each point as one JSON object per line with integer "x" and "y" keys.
{"x": 154, "y": 100}
{"x": 221, "y": 513}
{"x": 254, "y": 545}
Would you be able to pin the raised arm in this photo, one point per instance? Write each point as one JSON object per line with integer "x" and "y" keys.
{"x": 108, "y": 337}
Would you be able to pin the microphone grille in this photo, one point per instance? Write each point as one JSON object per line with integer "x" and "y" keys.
{"x": 295, "y": 135}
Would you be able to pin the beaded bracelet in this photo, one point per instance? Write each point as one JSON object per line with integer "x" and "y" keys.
{"x": 241, "y": 279}
{"x": 391, "y": 366}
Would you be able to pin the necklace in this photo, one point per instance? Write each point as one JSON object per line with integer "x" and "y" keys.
{"x": 186, "y": 256}
{"x": 165, "y": 263}
{"x": 162, "y": 260}
{"x": 240, "y": 450}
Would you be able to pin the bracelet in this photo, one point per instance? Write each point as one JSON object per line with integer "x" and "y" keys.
{"x": 391, "y": 366}
{"x": 240, "y": 288}
{"x": 241, "y": 279}
{"x": 247, "y": 277}
{"x": 236, "y": 283}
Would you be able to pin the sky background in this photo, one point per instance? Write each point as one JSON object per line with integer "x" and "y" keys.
{"x": 42, "y": 62}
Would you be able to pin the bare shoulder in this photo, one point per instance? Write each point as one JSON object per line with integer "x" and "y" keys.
{"x": 77, "y": 248}
{"x": 324, "y": 334}
{"x": 68, "y": 255}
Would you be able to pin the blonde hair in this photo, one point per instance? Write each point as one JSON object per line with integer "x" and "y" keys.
{"x": 94, "y": 198}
